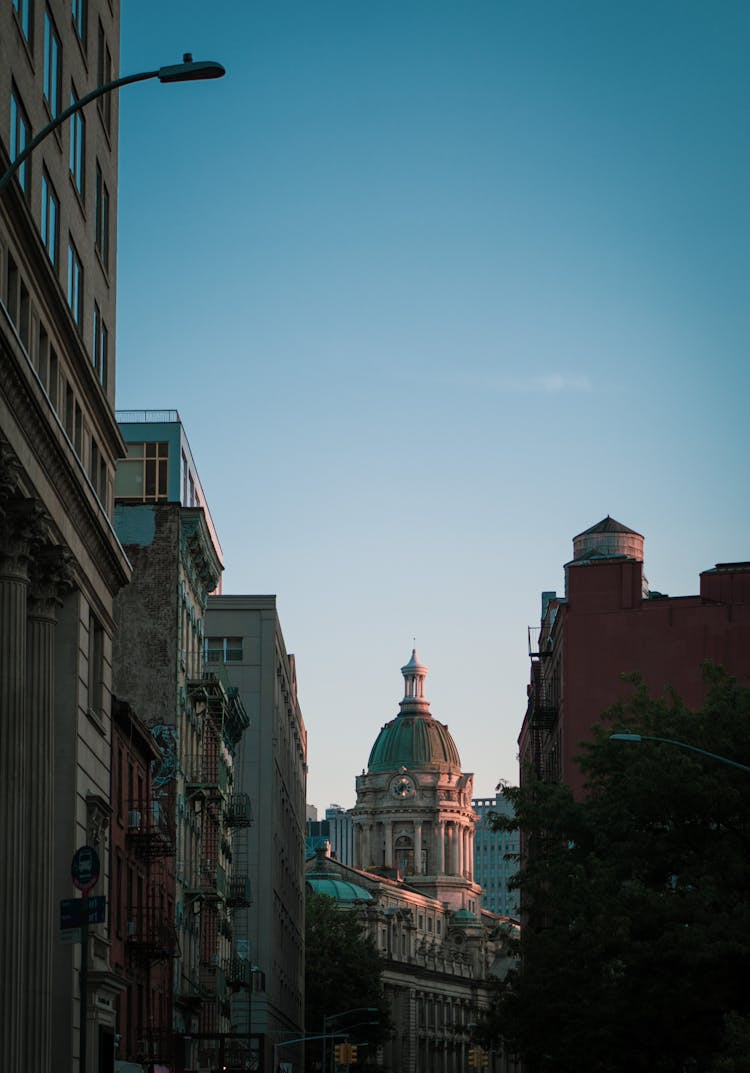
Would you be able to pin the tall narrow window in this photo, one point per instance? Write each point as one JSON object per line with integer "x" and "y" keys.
{"x": 52, "y": 66}
{"x": 96, "y": 665}
{"x": 104, "y": 75}
{"x": 101, "y": 222}
{"x": 75, "y": 283}
{"x": 54, "y": 376}
{"x": 23, "y": 12}
{"x": 79, "y": 19}
{"x": 69, "y": 405}
{"x": 20, "y": 136}
{"x": 101, "y": 346}
{"x": 77, "y": 145}
{"x": 50, "y": 216}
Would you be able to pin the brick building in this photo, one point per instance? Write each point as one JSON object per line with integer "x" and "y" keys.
{"x": 165, "y": 526}
{"x": 142, "y": 932}
{"x": 609, "y": 623}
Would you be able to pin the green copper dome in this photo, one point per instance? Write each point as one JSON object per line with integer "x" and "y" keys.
{"x": 414, "y": 739}
{"x": 340, "y": 889}
{"x": 414, "y": 742}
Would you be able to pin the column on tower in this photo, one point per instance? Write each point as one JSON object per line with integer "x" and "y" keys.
{"x": 388, "y": 824}
{"x": 460, "y": 849}
{"x": 417, "y": 847}
{"x": 439, "y": 847}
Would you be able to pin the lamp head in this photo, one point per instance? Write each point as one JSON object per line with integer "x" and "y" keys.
{"x": 191, "y": 70}
{"x": 625, "y": 737}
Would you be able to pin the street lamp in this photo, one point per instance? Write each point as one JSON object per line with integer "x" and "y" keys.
{"x": 637, "y": 738}
{"x": 188, "y": 71}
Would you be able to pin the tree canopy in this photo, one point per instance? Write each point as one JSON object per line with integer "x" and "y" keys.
{"x": 342, "y": 973}
{"x": 635, "y": 948}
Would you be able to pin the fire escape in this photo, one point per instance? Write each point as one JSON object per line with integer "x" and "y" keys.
{"x": 543, "y": 704}
{"x": 221, "y": 882}
{"x": 151, "y": 933}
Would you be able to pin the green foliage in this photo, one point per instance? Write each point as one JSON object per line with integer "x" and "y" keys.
{"x": 342, "y": 972}
{"x": 636, "y": 938}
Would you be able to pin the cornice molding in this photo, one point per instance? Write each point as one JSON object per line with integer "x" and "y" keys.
{"x": 75, "y": 500}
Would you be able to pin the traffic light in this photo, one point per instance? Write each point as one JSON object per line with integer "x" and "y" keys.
{"x": 474, "y": 1057}
{"x": 341, "y": 1052}
{"x": 484, "y": 1056}
{"x": 352, "y": 1053}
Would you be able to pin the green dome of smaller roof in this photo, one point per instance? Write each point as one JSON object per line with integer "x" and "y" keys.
{"x": 339, "y": 889}
{"x": 463, "y": 916}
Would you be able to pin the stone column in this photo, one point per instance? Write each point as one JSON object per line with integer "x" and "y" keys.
{"x": 49, "y": 579}
{"x": 440, "y": 847}
{"x": 417, "y": 848}
{"x": 460, "y": 846}
{"x": 388, "y": 835}
{"x": 17, "y": 519}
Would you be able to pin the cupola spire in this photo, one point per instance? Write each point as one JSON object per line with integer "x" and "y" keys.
{"x": 414, "y": 701}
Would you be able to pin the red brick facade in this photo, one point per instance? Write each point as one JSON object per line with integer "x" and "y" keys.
{"x": 608, "y": 625}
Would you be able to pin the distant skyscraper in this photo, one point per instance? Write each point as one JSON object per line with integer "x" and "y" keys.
{"x": 337, "y": 829}
{"x": 495, "y": 853}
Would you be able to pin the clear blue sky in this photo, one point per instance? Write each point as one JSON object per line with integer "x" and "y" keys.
{"x": 435, "y": 286}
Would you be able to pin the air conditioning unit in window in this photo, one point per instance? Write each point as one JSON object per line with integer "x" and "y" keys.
{"x": 134, "y": 819}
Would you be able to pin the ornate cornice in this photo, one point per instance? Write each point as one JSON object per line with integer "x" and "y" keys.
{"x": 55, "y": 455}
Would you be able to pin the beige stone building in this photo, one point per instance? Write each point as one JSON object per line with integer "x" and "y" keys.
{"x": 60, "y": 561}
{"x": 245, "y": 645}
{"x": 413, "y": 885}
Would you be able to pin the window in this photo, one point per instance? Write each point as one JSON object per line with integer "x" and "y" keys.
{"x": 23, "y": 12}
{"x": 96, "y": 665}
{"x": 20, "y": 136}
{"x": 50, "y": 217}
{"x": 52, "y": 66}
{"x": 104, "y": 75}
{"x": 17, "y": 302}
{"x": 78, "y": 430}
{"x": 54, "y": 376}
{"x": 68, "y": 409}
{"x": 77, "y": 145}
{"x": 75, "y": 283}
{"x": 143, "y": 475}
{"x": 101, "y": 221}
{"x": 79, "y": 19}
{"x": 224, "y": 650}
{"x": 101, "y": 346}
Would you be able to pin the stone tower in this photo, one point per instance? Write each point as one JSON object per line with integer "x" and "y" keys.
{"x": 413, "y": 817}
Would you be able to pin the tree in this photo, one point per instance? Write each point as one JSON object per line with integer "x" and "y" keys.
{"x": 342, "y": 972}
{"x": 635, "y": 949}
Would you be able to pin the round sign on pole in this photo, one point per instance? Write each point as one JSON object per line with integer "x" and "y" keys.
{"x": 85, "y": 868}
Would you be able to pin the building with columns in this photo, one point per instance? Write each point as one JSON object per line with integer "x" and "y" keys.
{"x": 60, "y": 561}
{"x": 414, "y": 887}
{"x": 413, "y": 813}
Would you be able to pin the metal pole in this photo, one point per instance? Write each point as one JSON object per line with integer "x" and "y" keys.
{"x": 83, "y": 982}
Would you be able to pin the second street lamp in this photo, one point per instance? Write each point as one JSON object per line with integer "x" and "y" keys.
{"x": 189, "y": 70}
{"x": 637, "y": 738}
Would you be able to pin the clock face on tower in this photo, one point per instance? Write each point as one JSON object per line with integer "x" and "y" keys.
{"x": 402, "y": 787}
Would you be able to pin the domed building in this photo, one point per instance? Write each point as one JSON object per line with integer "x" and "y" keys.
{"x": 413, "y": 887}
{"x": 413, "y": 818}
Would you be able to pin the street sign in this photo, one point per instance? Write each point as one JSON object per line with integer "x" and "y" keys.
{"x": 71, "y": 916}
{"x": 85, "y": 868}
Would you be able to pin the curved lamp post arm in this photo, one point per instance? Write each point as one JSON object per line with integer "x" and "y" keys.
{"x": 189, "y": 71}
{"x": 636, "y": 738}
